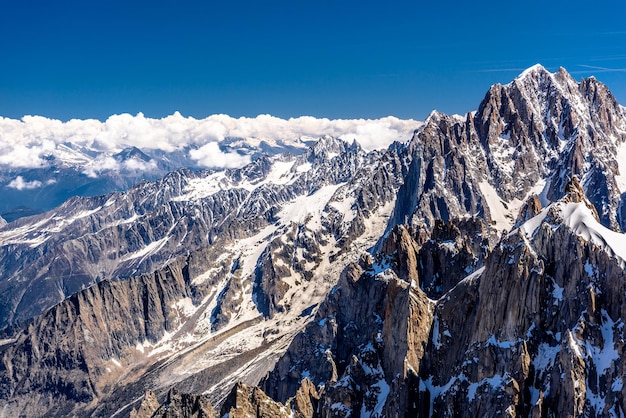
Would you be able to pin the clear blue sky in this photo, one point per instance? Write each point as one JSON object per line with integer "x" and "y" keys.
{"x": 336, "y": 59}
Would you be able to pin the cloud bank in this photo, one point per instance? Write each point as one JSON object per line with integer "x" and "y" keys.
{"x": 20, "y": 184}
{"x": 33, "y": 141}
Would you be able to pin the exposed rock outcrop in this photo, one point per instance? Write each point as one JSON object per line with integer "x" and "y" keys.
{"x": 453, "y": 314}
{"x": 542, "y": 330}
{"x": 540, "y": 127}
{"x": 177, "y": 405}
{"x": 535, "y": 331}
{"x": 366, "y": 341}
{"x": 75, "y": 353}
{"x": 246, "y": 402}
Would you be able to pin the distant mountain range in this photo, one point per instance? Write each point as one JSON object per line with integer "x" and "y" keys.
{"x": 477, "y": 269}
{"x": 44, "y": 162}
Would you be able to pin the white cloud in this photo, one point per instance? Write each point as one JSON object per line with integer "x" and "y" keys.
{"x": 20, "y": 184}
{"x": 134, "y": 164}
{"x": 211, "y": 156}
{"x": 31, "y": 141}
{"x": 100, "y": 164}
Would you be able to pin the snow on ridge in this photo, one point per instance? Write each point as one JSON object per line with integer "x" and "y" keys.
{"x": 147, "y": 250}
{"x": 579, "y": 218}
{"x": 620, "y": 157}
{"x": 530, "y": 70}
{"x": 504, "y": 213}
{"x": 281, "y": 174}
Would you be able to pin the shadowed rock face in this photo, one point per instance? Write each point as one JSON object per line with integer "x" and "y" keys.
{"x": 177, "y": 405}
{"x": 542, "y": 333}
{"x": 113, "y": 340}
{"x": 536, "y": 331}
{"x": 65, "y": 361}
{"x": 367, "y": 338}
{"x": 540, "y": 127}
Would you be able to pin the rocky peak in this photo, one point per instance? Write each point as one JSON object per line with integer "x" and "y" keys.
{"x": 402, "y": 250}
{"x": 539, "y": 128}
{"x": 148, "y": 406}
{"x": 176, "y": 405}
{"x": 131, "y": 153}
{"x": 539, "y": 316}
{"x": 575, "y": 194}
{"x": 529, "y": 210}
{"x": 251, "y": 402}
{"x": 327, "y": 146}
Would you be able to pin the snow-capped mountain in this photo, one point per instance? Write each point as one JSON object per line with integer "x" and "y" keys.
{"x": 44, "y": 162}
{"x": 240, "y": 257}
{"x": 536, "y": 330}
{"x": 476, "y": 270}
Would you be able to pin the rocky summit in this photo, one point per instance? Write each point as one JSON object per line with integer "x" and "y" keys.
{"x": 477, "y": 269}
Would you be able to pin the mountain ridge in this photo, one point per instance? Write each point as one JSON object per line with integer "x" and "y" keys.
{"x": 43, "y": 162}
{"x": 381, "y": 260}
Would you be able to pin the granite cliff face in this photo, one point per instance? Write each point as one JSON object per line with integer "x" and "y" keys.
{"x": 527, "y": 137}
{"x": 542, "y": 332}
{"x": 473, "y": 271}
{"x": 534, "y": 332}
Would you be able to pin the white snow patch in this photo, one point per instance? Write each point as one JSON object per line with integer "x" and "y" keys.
{"x": 303, "y": 168}
{"x": 495, "y": 382}
{"x": 503, "y": 217}
{"x": 383, "y": 393}
{"x": 449, "y": 245}
{"x": 574, "y": 344}
{"x": 436, "y": 341}
{"x": 501, "y": 344}
{"x": 531, "y": 225}
{"x": 308, "y": 209}
{"x": 200, "y": 188}
{"x": 604, "y": 357}
{"x": 185, "y": 306}
{"x": 473, "y": 276}
{"x": 280, "y": 173}
{"x": 84, "y": 214}
{"x": 545, "y": 357}
{"x": 345, "y": 207}
{"x": 436, "y": 390}
{"x": 579, "y": 219}
{"x": 249, "y": 250}
{"x": 557, "y": 293}
{"x": 620, "y": 157}
{"x": 147, "y": 250}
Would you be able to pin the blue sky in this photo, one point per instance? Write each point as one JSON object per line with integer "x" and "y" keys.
{"x": 335, "y": 59}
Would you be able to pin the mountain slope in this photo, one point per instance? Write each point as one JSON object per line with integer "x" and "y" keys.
{"x": 537, "y": 330}
{"x": 527, "y": 137}
{"x": 256, "y": 249}
{"x": 43, "y": 162}
{"x": 420, "y": 279}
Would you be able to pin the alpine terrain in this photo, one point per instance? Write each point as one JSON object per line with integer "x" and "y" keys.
{"x": 477, "y": 269}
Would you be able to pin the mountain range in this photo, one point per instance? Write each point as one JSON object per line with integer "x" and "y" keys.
{"x": 44, "y": 162}
{"x": 475, "y": 270}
